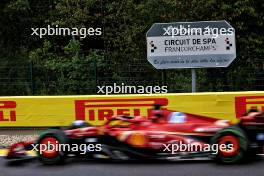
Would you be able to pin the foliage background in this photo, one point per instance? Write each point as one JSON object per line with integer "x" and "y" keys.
{"x": 60, "y": 65}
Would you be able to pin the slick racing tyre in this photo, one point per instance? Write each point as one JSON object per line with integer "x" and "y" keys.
{"x": 237, "y": 143}
{"x": 48, "y": 147}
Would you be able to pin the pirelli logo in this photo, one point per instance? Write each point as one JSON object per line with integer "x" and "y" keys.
{"x": 7, "y": 111}
{"x": 101, "y": 109}
{"x": 243, "y": 104}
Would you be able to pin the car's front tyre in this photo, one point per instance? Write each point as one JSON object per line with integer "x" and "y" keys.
{"x": 49, "y": 147}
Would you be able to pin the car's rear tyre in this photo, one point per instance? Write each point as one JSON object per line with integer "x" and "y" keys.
{"x": 51, "y": 154}
{"x": 240, "y": 145}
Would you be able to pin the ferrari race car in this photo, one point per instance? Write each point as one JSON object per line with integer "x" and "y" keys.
{"x": 164, "y": 135}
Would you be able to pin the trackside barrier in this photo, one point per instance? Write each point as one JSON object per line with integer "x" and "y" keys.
{"x": 43, "y": 111}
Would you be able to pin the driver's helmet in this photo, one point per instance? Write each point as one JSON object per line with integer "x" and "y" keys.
{"x": 79, "y": 124}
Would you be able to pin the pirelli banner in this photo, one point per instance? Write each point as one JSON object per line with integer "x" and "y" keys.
{"x": 43, "y": 111}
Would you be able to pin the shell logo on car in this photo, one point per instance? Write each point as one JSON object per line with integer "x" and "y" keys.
{"x": 44, "y": 111}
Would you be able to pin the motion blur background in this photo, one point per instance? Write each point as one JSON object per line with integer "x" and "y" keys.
{"x": 64, "y": 65}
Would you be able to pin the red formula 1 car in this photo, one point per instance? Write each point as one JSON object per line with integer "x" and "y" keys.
{"x": 165, "y": 135}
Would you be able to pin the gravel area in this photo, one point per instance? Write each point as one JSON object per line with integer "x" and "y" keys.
{"x": 7, "y": 140}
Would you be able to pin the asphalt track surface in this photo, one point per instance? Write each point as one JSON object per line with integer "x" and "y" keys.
{"x": 81, "y": 167}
